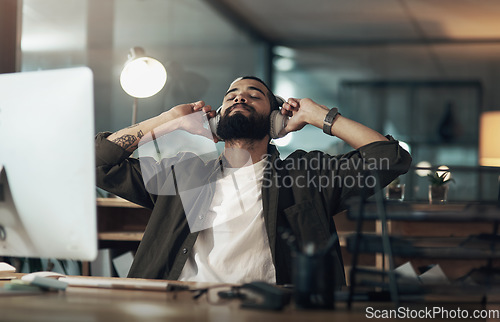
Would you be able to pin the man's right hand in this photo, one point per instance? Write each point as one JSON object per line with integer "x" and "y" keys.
{"x": 128, "y": 138}
{"x": 189, "y": 117}
{"x": 186, "y": 109}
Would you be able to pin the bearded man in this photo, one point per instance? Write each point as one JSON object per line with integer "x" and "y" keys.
{"x": 246, "y": 244}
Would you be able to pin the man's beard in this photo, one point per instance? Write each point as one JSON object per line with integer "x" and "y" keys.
{"x": 239, "y": 126}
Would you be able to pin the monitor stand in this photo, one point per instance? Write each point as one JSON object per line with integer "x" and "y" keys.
{"x": 14, "y": 239}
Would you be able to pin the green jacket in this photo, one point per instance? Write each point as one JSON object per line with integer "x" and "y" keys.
{"x": 296, "y": 197}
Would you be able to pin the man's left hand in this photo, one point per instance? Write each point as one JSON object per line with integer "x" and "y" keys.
{"x": 303, "y": 111}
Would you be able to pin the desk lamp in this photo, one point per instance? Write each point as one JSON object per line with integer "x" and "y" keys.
{"x": 142, "y": 77}
{"x": 489, "y": 141}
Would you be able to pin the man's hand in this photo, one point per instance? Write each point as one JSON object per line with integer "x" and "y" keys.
{"x": 303, "y": 111}
{"x": 170, "y": 120}
{"x": 186, "y": 109}
{"x": 190, "y": 118}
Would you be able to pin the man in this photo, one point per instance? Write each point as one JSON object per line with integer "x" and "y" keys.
{"x": 298, "y": 195}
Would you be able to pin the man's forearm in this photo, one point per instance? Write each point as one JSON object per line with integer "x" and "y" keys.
{"x": 353, "y": 133}
{"x": 128, "y": 138}
{"x": 306, "y": 111}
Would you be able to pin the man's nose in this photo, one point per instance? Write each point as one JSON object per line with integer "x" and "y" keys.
{"x": 240, "y": 99}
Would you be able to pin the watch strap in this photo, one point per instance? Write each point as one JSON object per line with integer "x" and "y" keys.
{"x": 329, "y": 119}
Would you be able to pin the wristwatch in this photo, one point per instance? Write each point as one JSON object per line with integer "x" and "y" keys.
{"x": 329, "y": 119}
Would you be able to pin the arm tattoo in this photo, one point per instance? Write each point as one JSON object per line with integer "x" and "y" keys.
{"x": 126, "y": 141}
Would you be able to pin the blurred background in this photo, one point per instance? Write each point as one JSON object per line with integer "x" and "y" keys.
{"x": 422, "y": 71}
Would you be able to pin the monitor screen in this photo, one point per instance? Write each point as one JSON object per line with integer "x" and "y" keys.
{"x": 47, "y": 172}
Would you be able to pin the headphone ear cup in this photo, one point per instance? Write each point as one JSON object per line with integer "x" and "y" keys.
{"x": 278, "y": 122}
{"x": 280, "y": 100}
{"x": 214, "y": 123}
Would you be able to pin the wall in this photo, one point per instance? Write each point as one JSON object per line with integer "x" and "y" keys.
{"x": 203, "y": 53}
{"x": 200, "y": 50}
{"x": 413, "y": 116}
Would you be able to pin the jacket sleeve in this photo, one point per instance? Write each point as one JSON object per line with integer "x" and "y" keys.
{"x": 119, "y": 174}
{"x": 341, "y": 177}
{"x": 381, "y": 161}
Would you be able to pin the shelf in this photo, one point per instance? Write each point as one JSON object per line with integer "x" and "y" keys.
{"x": 116, "y": 202}
{"x": 121, "y": 236}
{"x": 414, "y": 211}
{"x": 427, "y": 247}
{"x": 121, "y": 221}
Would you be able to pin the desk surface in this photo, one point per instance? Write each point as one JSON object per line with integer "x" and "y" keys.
{"x": 92, "y": 304}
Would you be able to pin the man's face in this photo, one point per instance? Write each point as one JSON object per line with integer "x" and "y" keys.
{"x": 246, "y": 96}
{"x": 245, "y": 111}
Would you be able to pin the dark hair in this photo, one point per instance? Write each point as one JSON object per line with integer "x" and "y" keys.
{"x": 272, "y": 98}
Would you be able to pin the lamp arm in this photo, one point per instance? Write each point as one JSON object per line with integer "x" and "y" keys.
{"x": 134, "y": 110}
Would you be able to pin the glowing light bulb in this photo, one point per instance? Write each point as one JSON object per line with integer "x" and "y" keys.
{"x": 143, "y": 77}
{"x": 423, "y": 172}
{"x": 442, "y": 170}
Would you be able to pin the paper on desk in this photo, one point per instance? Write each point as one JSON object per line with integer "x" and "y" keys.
{"x": 123, "y": 263}
{"x": 434, "y": 276}
{"x": 407, "y": 274}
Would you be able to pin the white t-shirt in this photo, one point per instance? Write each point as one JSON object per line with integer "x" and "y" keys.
{"x": 236, "y": 249}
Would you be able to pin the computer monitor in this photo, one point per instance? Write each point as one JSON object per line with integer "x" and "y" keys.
{"x": 47, "y": 165}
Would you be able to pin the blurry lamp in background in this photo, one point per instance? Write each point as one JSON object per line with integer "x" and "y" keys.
{"x": 422, "y": 166}
{"x": 285, "y": 88}
{"x": 142, "y": 77}
{"x": 284, "y": 64}
{"x": 444, "y": 170}
{"x": 489, "y": 141}
{"x": 424, "y": 169}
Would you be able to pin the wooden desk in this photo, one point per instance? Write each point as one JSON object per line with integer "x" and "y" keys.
{"x": 92, "y": 304}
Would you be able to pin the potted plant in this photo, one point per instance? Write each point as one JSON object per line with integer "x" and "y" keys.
{"x": 438, "y": 188}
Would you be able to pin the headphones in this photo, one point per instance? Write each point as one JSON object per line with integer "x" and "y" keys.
{"x": 277, "y": 121}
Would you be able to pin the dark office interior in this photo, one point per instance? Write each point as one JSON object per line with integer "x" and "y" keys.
{"x": 422, "y": 71}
